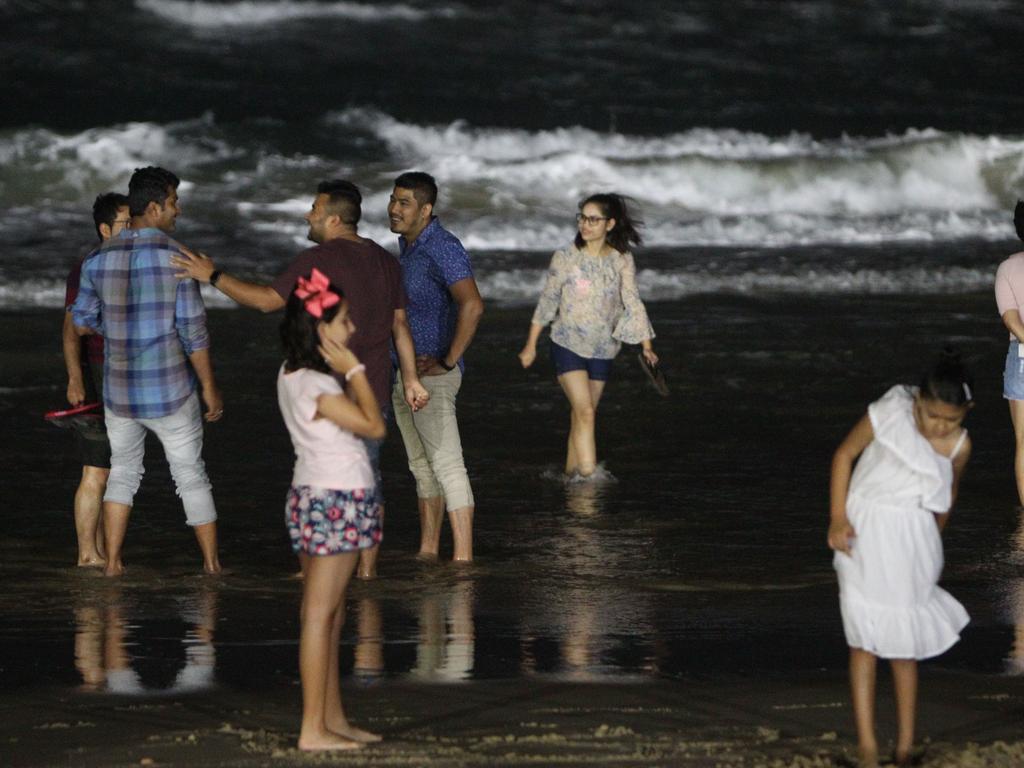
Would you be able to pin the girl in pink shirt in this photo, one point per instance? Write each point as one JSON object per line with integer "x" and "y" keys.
{"x": 1010, "y": 301}
{"x": 332, "y": 510}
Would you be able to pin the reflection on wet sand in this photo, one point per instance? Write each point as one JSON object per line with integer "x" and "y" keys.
{"x": 446, "y": 641}
{"x": 113, "y": 655}
{"x": 586, "y": 611}
{"x": 445, "y": 638}
{"x": 1015, "y": 600}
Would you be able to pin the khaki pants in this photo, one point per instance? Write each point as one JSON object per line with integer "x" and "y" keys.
{"x": 432, "y": 443}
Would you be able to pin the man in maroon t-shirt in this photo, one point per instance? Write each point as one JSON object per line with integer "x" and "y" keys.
{"x": 85, "y": 384}
{"x": 371, "y": 280}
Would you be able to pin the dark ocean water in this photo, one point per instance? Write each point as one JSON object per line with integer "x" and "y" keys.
{"x": 826, "y": 188}
{"x": 800, "y": 147}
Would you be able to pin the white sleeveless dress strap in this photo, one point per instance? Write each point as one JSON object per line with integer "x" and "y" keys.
{"x": 959, "y": 444}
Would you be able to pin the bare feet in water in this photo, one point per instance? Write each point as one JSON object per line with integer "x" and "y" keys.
{"x": 348, "y": 731}
{"x": 326, "y": 741}
{"x": 92, "y": 561}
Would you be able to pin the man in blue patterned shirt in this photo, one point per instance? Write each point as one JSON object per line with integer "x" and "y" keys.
{"x": 157, "y": 346}
{"x": 443, "y": 309}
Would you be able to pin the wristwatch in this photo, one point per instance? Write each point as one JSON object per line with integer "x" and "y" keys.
{"x": 214, "y": 277}
{"x": 443, "y": 364}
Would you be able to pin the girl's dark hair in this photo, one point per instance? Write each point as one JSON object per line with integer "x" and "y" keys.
{"x": 299, "y": 335}
{"x": 948, "y": 380}
{"x": 1018, "y": 219}
{"x": 614, "y": 206}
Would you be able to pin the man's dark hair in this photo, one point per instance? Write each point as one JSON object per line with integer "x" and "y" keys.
{"x": 343, "y": 200}
{"x": 1018, "y": 219}
{"x": 104, "y": 209}
{"x": 149, "y": 185}
{"x": 422, "y": 186}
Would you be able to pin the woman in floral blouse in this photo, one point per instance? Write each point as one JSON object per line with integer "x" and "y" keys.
{"x": 591, "y": 296}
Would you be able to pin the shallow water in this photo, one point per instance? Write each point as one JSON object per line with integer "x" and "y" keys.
{"x": 702, "y": 553}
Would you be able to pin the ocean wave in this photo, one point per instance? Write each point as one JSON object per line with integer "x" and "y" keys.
{"x": 509, "y": 189}
{"x": 522, "y": 286}
{"x": 40, "y": 164}
{"x": 206, "y": 15}
{"x": 719, "y": 172}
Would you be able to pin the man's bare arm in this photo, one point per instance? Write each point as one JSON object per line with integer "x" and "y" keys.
{"x": 73, "y": 360}
{"x": 200, "y": 267}
{"x": 416, "y": 394}
{"x": 471, "y": 308}
{"x": 203, "y": 366}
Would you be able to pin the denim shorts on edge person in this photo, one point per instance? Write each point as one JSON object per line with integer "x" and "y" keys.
{"x": 565, "y": 360}
{"x": 1013, "y": 373}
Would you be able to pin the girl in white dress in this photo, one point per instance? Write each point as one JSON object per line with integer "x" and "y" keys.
{"x": 885, "y": 528}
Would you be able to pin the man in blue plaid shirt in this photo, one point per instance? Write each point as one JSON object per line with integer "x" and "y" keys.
{"x": 157, "y": 348}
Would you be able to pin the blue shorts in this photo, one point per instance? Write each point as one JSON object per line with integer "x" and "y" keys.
{"x": 1013, "y": 373}
{"x": 565, "y": 360}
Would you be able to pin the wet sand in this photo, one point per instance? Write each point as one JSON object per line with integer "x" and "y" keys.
{"x": 682, "y": 614}
{"x": 725, "y": 722}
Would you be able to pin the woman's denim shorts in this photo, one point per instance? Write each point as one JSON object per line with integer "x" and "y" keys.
{"x": 1013, "y": 373}
{"x": 597, "y": 368}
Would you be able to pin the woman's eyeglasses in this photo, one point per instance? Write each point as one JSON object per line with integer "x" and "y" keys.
{"x": 591, "y": 220}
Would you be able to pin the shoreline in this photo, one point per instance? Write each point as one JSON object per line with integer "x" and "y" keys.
{"x": 966, "y": 720}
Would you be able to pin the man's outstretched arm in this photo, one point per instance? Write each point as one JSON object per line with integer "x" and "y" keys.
{"x": 200, "y": 267}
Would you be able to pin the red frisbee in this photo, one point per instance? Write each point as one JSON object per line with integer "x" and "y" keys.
{"x": 63, "y": 413}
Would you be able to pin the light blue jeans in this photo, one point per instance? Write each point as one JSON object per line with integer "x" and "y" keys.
{"x": 181, "y": 435}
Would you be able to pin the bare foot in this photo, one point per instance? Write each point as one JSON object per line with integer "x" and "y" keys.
{"x": 212, "y": 569}
{"x": 326, "y": 741}
{"x": 355, "y": 734}
{"x": 91, "y": 561}
{"x": 868, "y": 758}
{"x": 114, "y": 569}
{"x": 427, "y": 557}
{"x": 367, "y": 575}
{"x": 909, "y": 756}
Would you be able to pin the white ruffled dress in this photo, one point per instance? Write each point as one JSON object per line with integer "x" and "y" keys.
{"x": 889, "y": 596}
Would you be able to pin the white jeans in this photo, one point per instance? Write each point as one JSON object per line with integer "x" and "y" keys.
{"x": 181, "y": 435}
{"x": 432, "y": 442}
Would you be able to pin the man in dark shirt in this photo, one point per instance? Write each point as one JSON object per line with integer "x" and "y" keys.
{"x": 370, "y": 278}
{"x": 83, "y": 358}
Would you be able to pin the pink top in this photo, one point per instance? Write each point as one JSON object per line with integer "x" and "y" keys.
{"x": 326, "y": 456}
{"x": 1010, "y": 285}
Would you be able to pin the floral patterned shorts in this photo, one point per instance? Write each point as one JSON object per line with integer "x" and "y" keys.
{"x": 325, "y": 522}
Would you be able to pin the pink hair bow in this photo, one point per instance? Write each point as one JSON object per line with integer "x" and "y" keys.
{"x": 316, "y": 293}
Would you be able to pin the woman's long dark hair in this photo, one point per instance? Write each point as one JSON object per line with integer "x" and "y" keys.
{"x": 299, "y": 334}
{"x": 625, "y": 233}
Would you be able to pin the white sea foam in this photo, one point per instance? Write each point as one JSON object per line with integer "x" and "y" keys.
{"x": 253, "y": 13}
{"x": 519, "y": 287}
{"x": 515, "y": 190}
{"x": 720, "y": 172}
{"x": 523, "y": 286}
{"x": 41, "y": 164}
